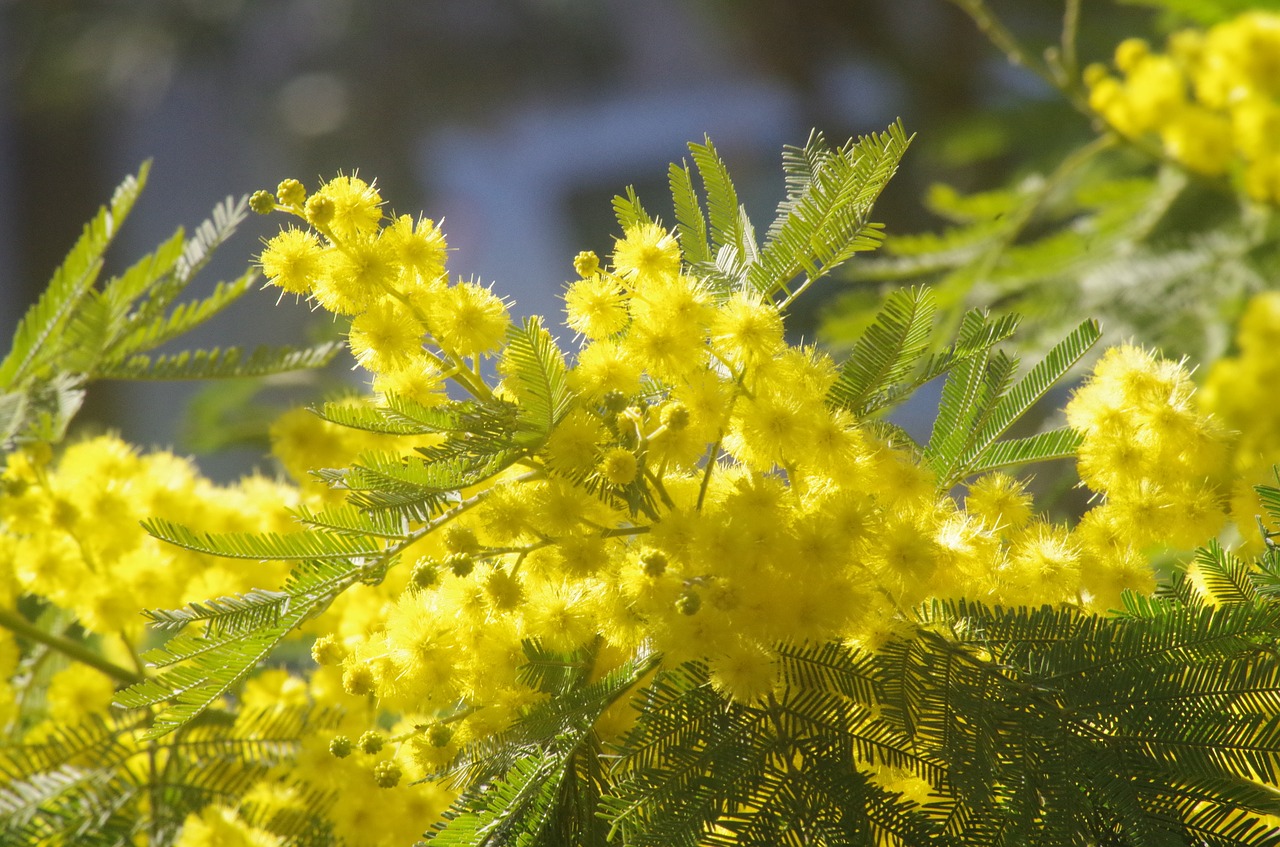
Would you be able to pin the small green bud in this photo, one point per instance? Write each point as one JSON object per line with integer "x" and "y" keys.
{"x": 425, "y": 574}
{"x": 688, "y": 603}
{"x": 460, "y": 563}
{"x": 319, "y": 210}
{"x": 615, "y": 401}
{"x": 371, "y": 741}
{"x": 654, "y": 562}
{"x": 675, "y": 416}
{"x": 327, "y": 651}
{"x": 340, "y": 746}
{"x": 262, "y": 202}
{"x": 439, "y": 734}
{"x": 386, "y": 773}
{"x": 461, "y": 539}
{"x": 586, "y": 263}
{"x": 291, "y": 193}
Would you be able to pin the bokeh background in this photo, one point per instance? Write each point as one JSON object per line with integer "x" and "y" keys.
{"x": 515, "y": 121}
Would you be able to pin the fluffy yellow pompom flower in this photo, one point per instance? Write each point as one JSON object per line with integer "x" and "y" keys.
{"x": 745, "y": 330}
{"x": 419, "y": 379}
{"x": 646, "y": 251}
{"x": 1000, "y": 501}
{"x": 1262, "y": 179}
{"x": 356, "y": 276}
{"x": 76, "y": 692}
{"x": 386, "y": 338}
{"x": 769, "y": 429}
{"x": 357, "y": 206}
{"x": 468, "y": 320}
{"x": 1148, "y": 450}
{"x": 292, "y": 260}
{"x": 1199, "y": 139}
{"x": 572, "y": 447}
{"x": 1210, "y": 99}
{"x": 1044, "y": 566}
{"x": 746, "y": 672}
{"x": 220, "y": 826}
{"x": 669, "y": 326}
{"x": 604, "y": 366}
{"x": 419, "y": 251}
{"x": 619, "y": 466}
{"x": 596, "y": 306}
{"x": 562, "y": 614}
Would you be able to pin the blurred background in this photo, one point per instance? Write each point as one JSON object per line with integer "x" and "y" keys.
{"x": 515, "y": 121}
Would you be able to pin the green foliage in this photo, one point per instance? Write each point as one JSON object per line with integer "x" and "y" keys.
{"x": 887, "y": 363}
{"x": 240, "y": 632}
{"x": 969, "y": 725}
{"x": 539, "y": 379}
{"x": 1030, "y": 726}
{"x": 80, "y": 331}
{"x": 90, "y": 784}
{"x": 539, "y": 782}
{"x": 980, "y": 401}
{"x": 1160, "y": 256}
{"x": 821, "y": 223}
{"x": 979, "y": 405}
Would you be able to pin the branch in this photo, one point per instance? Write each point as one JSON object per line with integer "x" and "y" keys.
{"x": 76, "y": 650}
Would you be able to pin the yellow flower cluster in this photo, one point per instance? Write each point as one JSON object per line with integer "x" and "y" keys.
{"x": 698, "y": 497}
{"x": 1213, "y": 99}
{"x": 369, "y": 812}
{"x": 391, "y": 279}
{"x": 769, "y": 515}
{"x": 1240, "y": 390}
{"x": 70, "y": 535}
{"x": 70, "y": 532}
{"x": 1157, "y": 460}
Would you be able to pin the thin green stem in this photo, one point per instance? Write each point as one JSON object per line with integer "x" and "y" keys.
{"x": 999, "y": 35}
{"x": 619, "y": 532}
{"x": 1070, "y": 63}
{"x": 1058, "y": 69}
{"x": 1018, "y": 221}
{"x": 76, "y": 650}
{"x": 712, "y": 457}
{"x": 801, "y": 289}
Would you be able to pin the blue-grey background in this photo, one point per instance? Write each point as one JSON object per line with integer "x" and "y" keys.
{"x": 515, "y": 121}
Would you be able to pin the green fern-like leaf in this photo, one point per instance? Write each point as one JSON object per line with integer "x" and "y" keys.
{"x": 39, "y": 328}
{"x": 156, "y": 328}
{"x": 539, "y": 378}
{"x": 517, "y": 809}
{"x": 310, "y": 545}
{"x": 1042, "y": 447}
{"x": 824, "y": 219}
{"x": 251, "y": 610}
{"x": 691, "y": 223}
{"x": 1115, "y": 722}
{"x": 200, "y": 670}
{"x": 889, "y": 350}
{"x": 729, "y": 232}
{"x": 346, "y": 520}
{"x": 415, "y": 488}
{"x": 537, "y": 783}
{"x": 1226, "y": 575}
{"x": 888, "y": 363}
{"x": 629, "y": 212}
{"x": 978, "y": 407}
{"x": 221, "y": 363}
